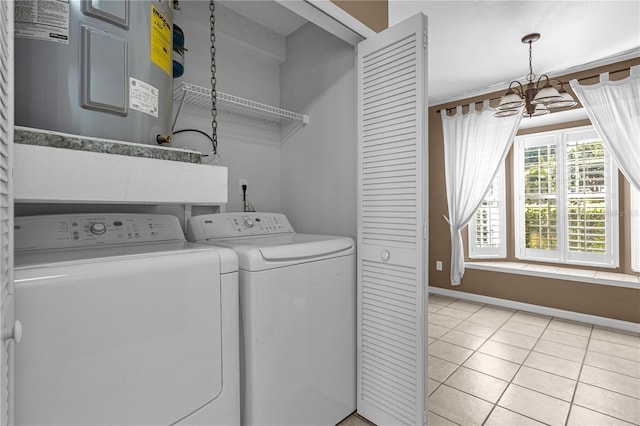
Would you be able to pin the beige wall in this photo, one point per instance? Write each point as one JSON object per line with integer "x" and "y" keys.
{"x": 373, "y": 13}
{"x": 607, "y": 301}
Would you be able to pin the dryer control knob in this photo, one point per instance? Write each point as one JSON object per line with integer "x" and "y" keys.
{"x": 98, "y": 228}
{"x": 248, "y": 223}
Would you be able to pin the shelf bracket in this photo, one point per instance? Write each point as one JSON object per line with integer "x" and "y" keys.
{"x": 175, "y": 120}
{"x": 293, "y": 127}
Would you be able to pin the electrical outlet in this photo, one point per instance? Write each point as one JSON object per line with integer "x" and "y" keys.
{"x": 241, "y": 182}
{"x": 438, "y": 265}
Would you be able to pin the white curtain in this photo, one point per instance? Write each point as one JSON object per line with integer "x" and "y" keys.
{"x": 614, "y": 109}
{"x": 475, "y": 144}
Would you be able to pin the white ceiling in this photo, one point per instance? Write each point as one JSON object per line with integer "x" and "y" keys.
{"x": 475, "y": 47}
{"x": 267, "y": 13}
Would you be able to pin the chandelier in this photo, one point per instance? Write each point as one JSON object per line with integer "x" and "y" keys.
{"x": 536, "y": 100}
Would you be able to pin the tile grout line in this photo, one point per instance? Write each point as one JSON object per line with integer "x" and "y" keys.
{"x": 440, "y": 384}
{"x": 520, "y": 365}
{"x": 582, "y": 363}
{"x": 516, "y": 373}
{"x": 577, "y": 380}
{"x": 615, "y": 356}
{"x": 575, "y": 390}
{"x": 450, "y": 374}
{"x": 599, "y": 387}
{"x": 494, "y": 404}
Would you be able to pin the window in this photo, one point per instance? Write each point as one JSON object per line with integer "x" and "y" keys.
{"x": 635, "y": 229}
{"x": 487, "y": 227}
{"x": 566, "y": 199}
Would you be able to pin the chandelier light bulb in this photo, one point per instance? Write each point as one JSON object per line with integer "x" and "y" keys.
{"x": 540, "y": 110}
{"x": 566, "y": 100}
{"x": 507, "y": 112}
{"x": 547, "y": 94}
{"x": 511, "y": 100}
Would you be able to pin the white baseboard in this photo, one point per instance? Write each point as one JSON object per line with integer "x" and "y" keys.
{"x": 537, "y": 309}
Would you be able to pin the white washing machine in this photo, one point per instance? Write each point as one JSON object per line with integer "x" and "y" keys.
{"x": 124, "y": 323}
{"x": 298, "y": 318}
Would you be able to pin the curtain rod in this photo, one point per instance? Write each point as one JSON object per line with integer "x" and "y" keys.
{"x": 563, "y": 82}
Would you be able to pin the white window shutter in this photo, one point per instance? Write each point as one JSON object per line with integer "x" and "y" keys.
{"x": 392, "y": 254}
{"x": 487, "y": 229}
{"x": 6, "y": 209}
{"x": 568, "y": 208}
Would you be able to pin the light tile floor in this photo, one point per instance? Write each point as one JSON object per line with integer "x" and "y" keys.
{"x": 495, "y": 366}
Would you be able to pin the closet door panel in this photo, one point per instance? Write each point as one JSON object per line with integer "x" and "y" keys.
{"x": 6, "y": 213}
{"x": 392, "y": 183}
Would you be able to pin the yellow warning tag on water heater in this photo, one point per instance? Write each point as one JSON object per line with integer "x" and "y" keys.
{"x": 160, "y": 40}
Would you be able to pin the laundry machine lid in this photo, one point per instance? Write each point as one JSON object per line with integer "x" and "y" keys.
{"x": 267, "y": 252}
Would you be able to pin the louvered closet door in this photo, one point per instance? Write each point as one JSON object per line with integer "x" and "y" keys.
{"x": 392, "y": 173}
{"x": 6, "y": 209}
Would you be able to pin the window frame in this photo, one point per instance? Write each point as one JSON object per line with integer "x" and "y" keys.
{"x": 500, "y": 252}
{"x": 560, "y": 139}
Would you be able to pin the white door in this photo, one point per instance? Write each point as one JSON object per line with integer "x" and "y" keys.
{"x": 392, "y": 232}
{"x": 6, "y": 214}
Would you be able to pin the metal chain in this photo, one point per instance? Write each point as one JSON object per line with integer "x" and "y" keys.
{"x": 531, "y": 75}
{"x": 214, "y": 93}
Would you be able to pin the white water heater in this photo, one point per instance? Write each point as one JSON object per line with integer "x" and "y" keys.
{"x": 99, "y": 68}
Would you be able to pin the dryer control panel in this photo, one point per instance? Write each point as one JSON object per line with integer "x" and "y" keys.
{"x": 230, "y": 225}
{"x": 74, "y": 230}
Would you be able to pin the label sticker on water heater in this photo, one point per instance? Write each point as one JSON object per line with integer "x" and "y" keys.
{"x": 160, "y": 40}
{"x": 143, "y": 97}
{"x": 42, "y": 20}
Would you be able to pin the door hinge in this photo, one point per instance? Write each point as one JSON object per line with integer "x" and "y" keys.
{"x": 424, "y": 39}
{"x": 424, "y": 230}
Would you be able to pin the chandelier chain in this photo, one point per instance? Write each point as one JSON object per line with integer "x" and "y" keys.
{"x": 531, "y": 75}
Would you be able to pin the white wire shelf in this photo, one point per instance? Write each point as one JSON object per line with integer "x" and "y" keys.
{"x": 198, "y": 96}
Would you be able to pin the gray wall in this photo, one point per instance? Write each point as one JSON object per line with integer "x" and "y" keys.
{"x": 318, "y": 164}
{"x": 311, "y": 177}
{"x": 248, "y": 68}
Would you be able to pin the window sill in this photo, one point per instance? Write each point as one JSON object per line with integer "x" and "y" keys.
{"x": 557, "y": 272}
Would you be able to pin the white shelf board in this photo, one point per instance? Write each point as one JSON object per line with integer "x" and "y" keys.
{"x": 56, "y": 175}
{"x": 200, "y": 97}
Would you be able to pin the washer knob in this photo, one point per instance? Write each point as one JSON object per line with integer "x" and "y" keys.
{"x": 248, "y": 223}
{"x": 98, "y": 228}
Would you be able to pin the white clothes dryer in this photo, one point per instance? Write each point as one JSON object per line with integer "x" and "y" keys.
{"x": 298, "y": 318}
{"x": 124, "y": 323}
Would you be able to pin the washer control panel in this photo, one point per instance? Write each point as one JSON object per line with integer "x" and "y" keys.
{"x": 229, "y": 225}
{"x": 69, "y": 231}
